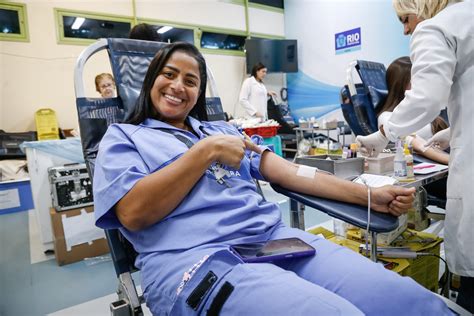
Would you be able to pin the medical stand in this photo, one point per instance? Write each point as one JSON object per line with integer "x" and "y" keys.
{"x": 300, "y": 131}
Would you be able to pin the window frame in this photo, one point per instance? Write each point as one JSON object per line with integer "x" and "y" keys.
{"x": 266, "y": 7}
{"x": 227, "y": 52}
{"x": 267, "y": 36}
{"x": 60, "y": 13}
{"x": 20, "y": 8}
{"x": 197, "y": 29}
{"x": 173, "y": 24}
{"x": 256, "y": 6}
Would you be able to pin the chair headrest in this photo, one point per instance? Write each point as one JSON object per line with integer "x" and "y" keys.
{"x": 130, "y": 60}
{"x": 377, "y": 96}
{"x": 372, "y": 73}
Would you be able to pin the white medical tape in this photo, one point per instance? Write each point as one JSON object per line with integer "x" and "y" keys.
{"x": 306, "y": 171}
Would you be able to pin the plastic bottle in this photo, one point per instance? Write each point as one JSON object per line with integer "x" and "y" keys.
{"x": 409, "y": 162}
{"x": 399, "y": 163}
{"x": 345, "y": 153}
{"x": 354, "y": 150}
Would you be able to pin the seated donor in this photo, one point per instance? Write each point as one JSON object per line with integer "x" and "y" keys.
{"x": 398, "y": 81}
{"x": 105, "y": 85}
{"x": 180, "y": 190}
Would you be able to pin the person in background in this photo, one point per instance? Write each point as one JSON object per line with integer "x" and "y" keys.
{"x": 442, "y": 53}
{"x": 253, "y": 94}
{"x": 105, "y": 85}
{"x": 144, "y": 32}
{"x": 184, "y": 205}
{"x": 398, "y": 81}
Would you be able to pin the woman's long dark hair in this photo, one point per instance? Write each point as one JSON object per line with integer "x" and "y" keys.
{"x": 256, "y": 68}
{"x": 144, "y": 106}
{"x": 398, "y": 78}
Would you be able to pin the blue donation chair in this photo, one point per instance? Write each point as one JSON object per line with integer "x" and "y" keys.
{"x": 360, "y": 101}
{"x": 96, "y": 114}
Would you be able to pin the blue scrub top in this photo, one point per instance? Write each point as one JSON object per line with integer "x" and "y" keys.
{"x": 210, "y": 213}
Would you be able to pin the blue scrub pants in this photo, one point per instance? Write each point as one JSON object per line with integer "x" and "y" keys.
{"x": 336, "y": 281}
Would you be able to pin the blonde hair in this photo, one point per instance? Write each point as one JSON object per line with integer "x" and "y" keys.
{"x": 99, "y": 78}
{"x": 425, "y": 9}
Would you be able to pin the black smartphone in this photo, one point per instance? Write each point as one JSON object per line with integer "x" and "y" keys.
{"x": 273, "y": 250}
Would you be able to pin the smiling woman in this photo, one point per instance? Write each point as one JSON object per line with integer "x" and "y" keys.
{"x": 176, "y": 89}
{"x": 179, "y": 74}
{"x": 182, "y": 191}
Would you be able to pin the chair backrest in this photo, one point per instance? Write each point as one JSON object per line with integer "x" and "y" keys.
{"x": 275, "y": 113}
{"x": 214, "y": 109}
{"x": 348, "y": 110}
{"x": 364, "y": 98}
{"x": 129, "y": 62}
{"x": 373, "y": 76}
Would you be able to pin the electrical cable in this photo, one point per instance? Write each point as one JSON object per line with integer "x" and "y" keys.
{"x": 368, "y": 215}
{"x": 446, "y": 271}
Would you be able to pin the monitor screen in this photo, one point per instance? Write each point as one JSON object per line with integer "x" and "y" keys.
{"x": 276, "y": 55}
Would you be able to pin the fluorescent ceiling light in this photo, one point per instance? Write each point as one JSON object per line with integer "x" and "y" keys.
{"x": 77, "y": 23}
{"x": 164, "y": 29}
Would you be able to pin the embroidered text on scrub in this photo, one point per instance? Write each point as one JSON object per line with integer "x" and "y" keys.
{"x": 189, "y": 274}
{"x": 219, "y": 173}
{"x": 216, "y": 169}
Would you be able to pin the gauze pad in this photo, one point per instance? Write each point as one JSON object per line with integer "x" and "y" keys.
{"x": 306, "y": 171}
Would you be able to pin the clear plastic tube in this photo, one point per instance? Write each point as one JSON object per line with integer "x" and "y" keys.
{"x": 96, "y": 260}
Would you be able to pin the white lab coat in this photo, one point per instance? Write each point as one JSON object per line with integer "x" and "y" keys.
{"x": 253, "y": 97}
{"x": 442, "y": 53}
{"x": 425, "y": 132}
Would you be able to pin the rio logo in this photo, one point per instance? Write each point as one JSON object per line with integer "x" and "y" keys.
{"x": 353, "y": 38}
{"x": 348, "y": 40}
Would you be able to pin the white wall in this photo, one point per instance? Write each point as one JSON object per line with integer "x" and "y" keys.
{"x": 40, "y": 73}
{"x": 314, "y": 90}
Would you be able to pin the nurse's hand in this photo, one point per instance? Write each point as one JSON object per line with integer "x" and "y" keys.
{"x": 228, "y": 150}
{"x": 372, "y": 145}
{"x": 440, "y": 140}
{"x": 392, "y": 199}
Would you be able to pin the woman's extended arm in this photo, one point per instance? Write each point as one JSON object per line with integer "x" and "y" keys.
{"x": 432, "y": 153}
{"x": 388, "y": 199}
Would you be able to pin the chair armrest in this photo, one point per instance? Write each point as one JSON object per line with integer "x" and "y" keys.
{"x": 419, "y": 159}
{"x": 350, "y": 213}
{"x": 123, "y": 255}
